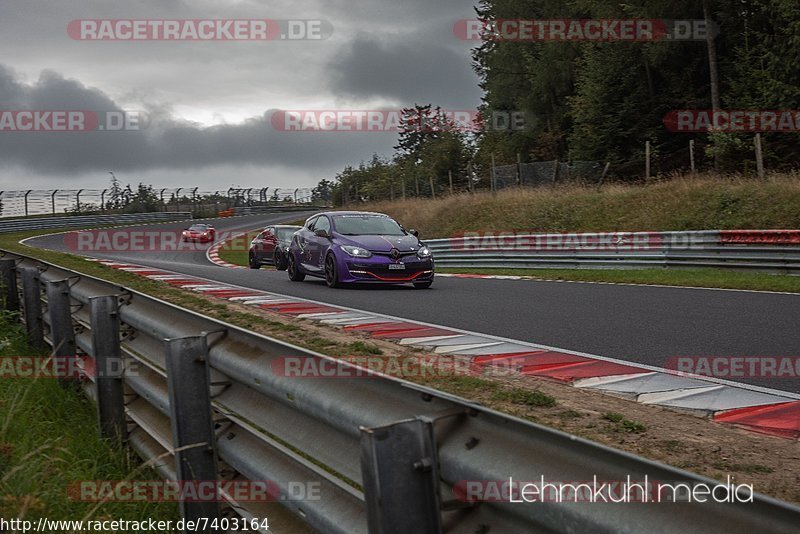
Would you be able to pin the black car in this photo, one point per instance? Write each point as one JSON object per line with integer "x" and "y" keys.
{"x": 270, "y": 246}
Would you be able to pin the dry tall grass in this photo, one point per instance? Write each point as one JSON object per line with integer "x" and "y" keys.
{"x": 678, "y": 203}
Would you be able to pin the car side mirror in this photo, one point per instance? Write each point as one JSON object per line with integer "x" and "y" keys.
{"x": 413, "y": 232}
{"x": 321, "y": 233}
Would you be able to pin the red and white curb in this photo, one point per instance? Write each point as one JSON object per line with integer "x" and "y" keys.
{"x": 212, "y": 253}
{"x": 755, "y": 408}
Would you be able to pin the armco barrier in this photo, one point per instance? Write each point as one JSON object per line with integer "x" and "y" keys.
{"x": 88, "y": 221}
{"x": 760, "y": 237}
{"x": 384, "y": 455}
{"x": 768, "y": 251}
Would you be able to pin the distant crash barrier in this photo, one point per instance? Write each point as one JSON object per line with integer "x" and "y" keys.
{"x": 364, "y": 452}
{"x": 90, "y": 221}
{"x": 776, "y": 251}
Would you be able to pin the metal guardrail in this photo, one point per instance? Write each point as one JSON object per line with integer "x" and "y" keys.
{"x": 768, "y": 251}
{"x": 88, "y": 221}
{"x": 386, "y": 455}
{"x": 258, "y": 210}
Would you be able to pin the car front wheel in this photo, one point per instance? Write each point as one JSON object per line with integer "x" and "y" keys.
{"x": 331, "y": 272}
{"x": 280, "y": 260}
{"x": 251, "y": 262}
{"x": 294, "y": 270}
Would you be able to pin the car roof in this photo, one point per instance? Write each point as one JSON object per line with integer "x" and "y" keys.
{"x": 283, "y": 226}
{"x": 334, "y": 213}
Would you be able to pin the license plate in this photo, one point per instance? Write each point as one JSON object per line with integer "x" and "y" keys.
{"x": 397, "y": 267}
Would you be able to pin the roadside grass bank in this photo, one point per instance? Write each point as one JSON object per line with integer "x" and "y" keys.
{"x": 49, "y": 442}
{"x": 706, "y": 202}
{"x": 771, "y": 464}
{"x": 700, "y": 278}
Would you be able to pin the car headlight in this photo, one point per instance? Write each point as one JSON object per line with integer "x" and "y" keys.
{"x": 356, "y": 252}
{"x": 424, "y": 252}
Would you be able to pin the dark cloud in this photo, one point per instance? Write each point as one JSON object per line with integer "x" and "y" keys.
{"x": 401, "y": 69}
{"x": 163, "y": 142}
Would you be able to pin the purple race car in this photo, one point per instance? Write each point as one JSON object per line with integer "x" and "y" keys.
{"x": 356, "y": 246}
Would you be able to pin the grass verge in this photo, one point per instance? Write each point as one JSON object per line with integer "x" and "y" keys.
{"x": 676, "y": 203}
{"x": 235, "y": 250}
{"x": 46, "y": 447}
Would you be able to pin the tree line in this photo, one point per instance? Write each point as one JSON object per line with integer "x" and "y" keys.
{"x": 602, "y": 101}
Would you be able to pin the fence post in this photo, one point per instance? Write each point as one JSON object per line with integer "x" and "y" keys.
{"x": 108, "y": 366}
{"x": 647, "y": 161}
{"x": 492, "y": 176}
{"x": 62, "y": 335}
{"x": 691, "y": 157}
{"x": 399, "y": 464}
{"x": 759, "y": 157}
{"x": 433, "y": 187}
{"x": 8, "y": 276}
{"x": 519, "y": 169}
{"x": 603, "y": 176}
{"x": 450, "y": 177}
{"x": 555, "y": 172}
{"x": 193, "y": 436}
{"x": 32, "y": 304}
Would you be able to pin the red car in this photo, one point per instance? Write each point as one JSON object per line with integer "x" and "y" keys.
{"x": 199, "y": 232}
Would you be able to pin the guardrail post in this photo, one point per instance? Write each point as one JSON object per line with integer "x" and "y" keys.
{"x": 190, "y": 415}
{"x": 62, "y": 334}
{"x": 108, "y": 366}
{"x": 399, "y": 465}
{"x": 8, "y": 272}
{"x": 32, "y": 304}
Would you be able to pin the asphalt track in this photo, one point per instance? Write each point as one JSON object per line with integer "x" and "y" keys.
{"x": 641, "y": 324}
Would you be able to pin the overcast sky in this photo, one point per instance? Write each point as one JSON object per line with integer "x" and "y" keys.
{"x": 208, "y": 103}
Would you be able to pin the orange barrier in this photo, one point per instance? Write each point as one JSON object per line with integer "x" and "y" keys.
{"x": 760, "y": 237}
{"x": 226, "y": 213}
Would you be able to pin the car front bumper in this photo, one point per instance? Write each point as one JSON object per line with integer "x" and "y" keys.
{"x": 378, "y": 269}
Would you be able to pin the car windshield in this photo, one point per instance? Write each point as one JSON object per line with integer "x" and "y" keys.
{"x": 198, "y": 228}
{"x": 285, "y": 234}
{"x": 366, "y": 225}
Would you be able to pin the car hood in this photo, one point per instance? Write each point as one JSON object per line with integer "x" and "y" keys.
{"x": 380, "y": 243}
